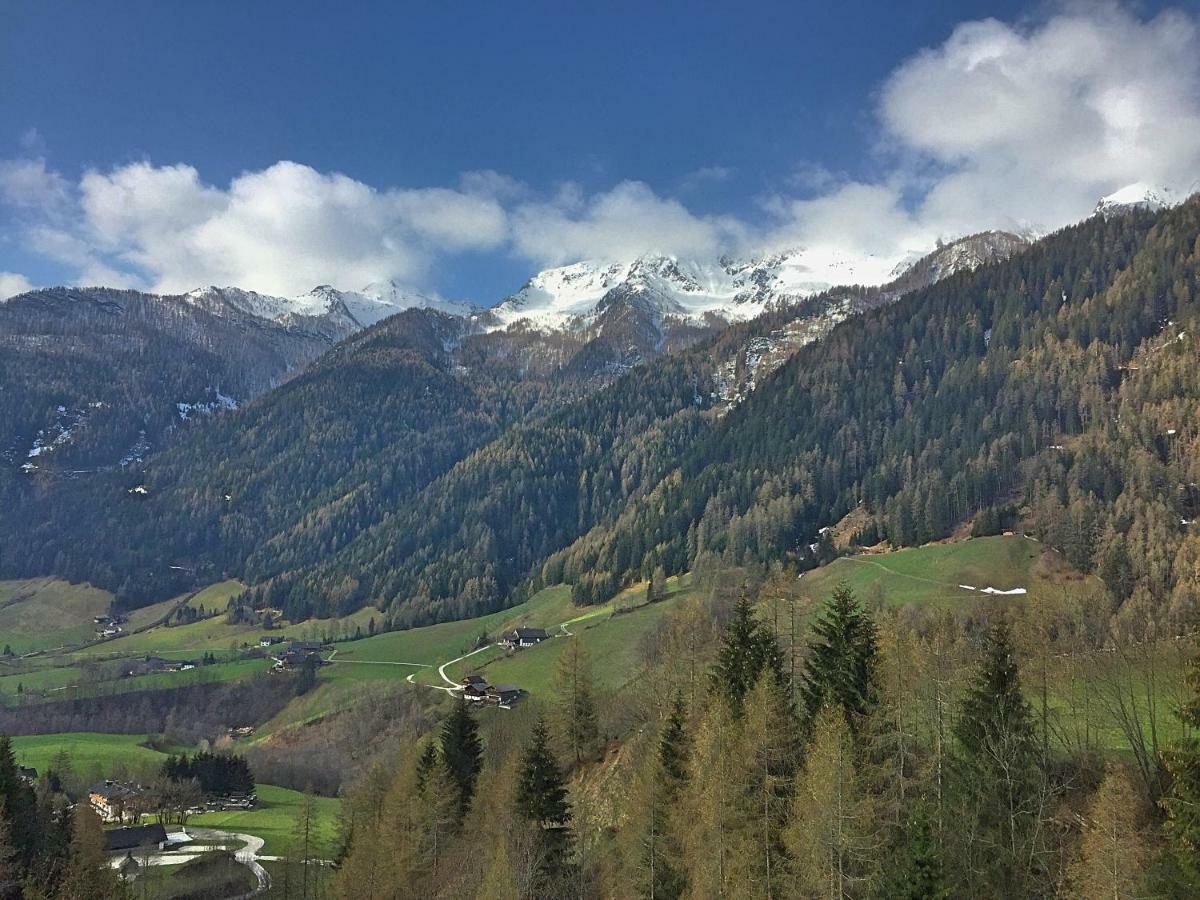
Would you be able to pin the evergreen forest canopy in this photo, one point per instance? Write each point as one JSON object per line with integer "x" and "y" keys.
{"x": 1059, "y": 383}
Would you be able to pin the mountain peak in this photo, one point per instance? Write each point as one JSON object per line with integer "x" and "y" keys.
{"x": 1139, "y": 195}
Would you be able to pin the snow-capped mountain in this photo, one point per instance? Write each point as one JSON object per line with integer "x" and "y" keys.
{"x": 1138, "y": 195}
{"x": 693, "y": 291}
{"x": 347, "y": 310}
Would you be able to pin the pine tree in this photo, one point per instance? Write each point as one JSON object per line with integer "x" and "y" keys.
{"x": 575, "y": 711}
{"x": 9, "y": 874}
{"x": 541, "y": 800}
{"x": 19, "y": 807}
{"x": 997, "y": 778}
{"x": 425, "y": 763}
{"x": 920, "y": 874}
{"x": 748, "y": 649}
{"x": 463, "y": 752}
{"x": 842, "y": 658}
{"x": 654, "y": 857}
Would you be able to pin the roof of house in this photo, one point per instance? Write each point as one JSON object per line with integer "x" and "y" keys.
{"x": 114, "y": 790}
{"x": 474, "y": 679}
{"x": 305, "y": 645}
{"x": 134, "y": 836}
{"x": 523, "y": 632}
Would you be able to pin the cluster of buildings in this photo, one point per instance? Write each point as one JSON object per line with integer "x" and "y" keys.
{"x": 476, "y": 689}
{"x": 522, "y": 637}
{"x": 153, "y": 664}
{"x": 295, "y": 654}
{"x": 109, "y": 626}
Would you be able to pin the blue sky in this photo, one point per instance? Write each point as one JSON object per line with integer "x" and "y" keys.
{"x": 686, "y": 127}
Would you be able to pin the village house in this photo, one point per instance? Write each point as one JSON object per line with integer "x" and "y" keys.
{"x": 270, "y": 640}
{"x": 305, "y": 647}
{"x": 28, "y": 774}
{"x": 135, "y": 837}
{"x": 147, "y": 666}
{"x": 522, "y": 637}
{"x": 503, "y": 694}
{"x": 475, "y": 688}
{"x": 115, "y": 801}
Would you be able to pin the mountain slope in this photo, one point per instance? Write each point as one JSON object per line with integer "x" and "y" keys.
{"x": 93, "y": 377}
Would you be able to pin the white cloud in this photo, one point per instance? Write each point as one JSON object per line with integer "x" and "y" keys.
{"x": 12, "y": 284}
{"x": 1036, "y": 123}
{"x": 621, "y": 223}
{"x": 28, "y": 184}
{"x": 279, "y": 230}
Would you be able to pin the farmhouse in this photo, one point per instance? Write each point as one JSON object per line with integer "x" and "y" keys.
{"x": 115, "y": 801}
{"x": 524, "y": 637}
{"x": 305, "y": 647}
{"x": 270, "y": 640}
{"x": 135, "y": 837}
{"x": 28, "y": 775}
{"x": 503, "y": 694}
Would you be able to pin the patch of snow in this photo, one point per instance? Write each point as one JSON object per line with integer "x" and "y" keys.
{"x": 968, "y": 587}
{"x": 1008, "y": 593}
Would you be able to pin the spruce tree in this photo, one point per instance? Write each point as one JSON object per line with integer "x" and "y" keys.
{"x": 541, "y": 800}
{"x": 997, "y": 780}
{"x": 919, "y": 874}
{"x": 656, "y": 872}
{"x": 462, "y": 752}
{"x": 19, "y": 804}
{"x": 541, "y": 796}
{"x": 842, "y": 657}
{"x": 748, "y": 648}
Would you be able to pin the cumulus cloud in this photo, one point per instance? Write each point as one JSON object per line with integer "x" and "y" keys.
{"x": 621, "y": 223}
{"x": 279, "y": 230}
{"x": 12, "y": 284}
{"x": 1016, "y": 126}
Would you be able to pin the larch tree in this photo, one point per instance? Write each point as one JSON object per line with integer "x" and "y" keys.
{"x": 831, "y": 833}
{"x": 1183, "y": 802}
{"x": 575, "y": 706}
{"x": 652, "y": 855}
{"x": 88, "y": 877}
{"x": 714, "y": 827}
{"x": 1113, "y": 850}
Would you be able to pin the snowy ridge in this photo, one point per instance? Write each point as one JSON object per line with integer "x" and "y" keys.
{"x": 1138, "y": 195}
{"x": 350, "y": 310}
{"x": 571, "y": 296}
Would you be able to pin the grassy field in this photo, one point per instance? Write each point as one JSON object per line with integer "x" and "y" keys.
{"x": 96, "y": 755}
{"x": 44, "y": 613}
{"x": 612, "y": 642}
{"x": 275, "y": 819}
{"x": 932, "y": 575}
{"x": 89, "y": 750}
{"x": 216, "y": 635}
